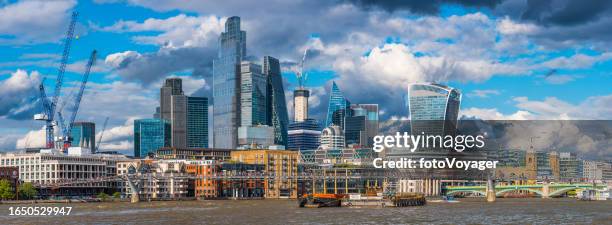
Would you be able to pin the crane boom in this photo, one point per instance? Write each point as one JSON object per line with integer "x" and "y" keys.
{"x": 101, "y": 135}
{"x": 62, "y": 69}
{"x": 66, "y": 128}
{"x": 50, "y": 106}
{"x": 300, "y": 74}
{"x": 77, "y": 101}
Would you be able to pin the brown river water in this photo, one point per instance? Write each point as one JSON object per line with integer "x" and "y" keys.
{"x": 468, "y": 211}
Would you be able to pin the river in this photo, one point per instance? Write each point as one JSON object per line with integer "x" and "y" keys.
{"x": 468, "y": 211}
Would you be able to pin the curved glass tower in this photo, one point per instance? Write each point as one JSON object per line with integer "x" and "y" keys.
{"x": 433, "y": 108}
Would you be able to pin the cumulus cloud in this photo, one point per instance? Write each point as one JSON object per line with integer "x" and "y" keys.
{"x": 149, "y": 67}
{"x": 30, "y": 22}
{"x": 177, "y": 31}
{"x": 494, "y": 114}
{"x": 483, "y": 93}
{"x": 32, "y": 139}
{"x": 18, "y": 95}
{"x": 551, "y": 108}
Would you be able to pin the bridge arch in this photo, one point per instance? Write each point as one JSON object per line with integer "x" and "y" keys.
{"x": 499, "y": 193}
{"x": 561, "y": 191}
{"x": 454, "y": 192}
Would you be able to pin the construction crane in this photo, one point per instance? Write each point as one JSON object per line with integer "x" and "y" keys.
{"x": 300, "y": 73}
{"x": 101, "y": 134}
{"x": 49, "y": 107}
{"x": 66, "y": 128}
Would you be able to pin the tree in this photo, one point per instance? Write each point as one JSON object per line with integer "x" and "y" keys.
{"x": 6, "y": 190}
{"x": 117, "y": 195}
{"x": 103, "y": 196}
{"x": 27, "y": 191}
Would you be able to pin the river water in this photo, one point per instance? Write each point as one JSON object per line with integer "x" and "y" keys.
{"x": 468, "y": 211}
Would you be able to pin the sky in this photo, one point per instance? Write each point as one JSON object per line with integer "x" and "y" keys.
{"x": 514, "y": 60}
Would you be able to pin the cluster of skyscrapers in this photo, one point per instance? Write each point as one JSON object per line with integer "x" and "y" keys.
{"x": 249, "y": 104}
{"x": 180, "y": 121}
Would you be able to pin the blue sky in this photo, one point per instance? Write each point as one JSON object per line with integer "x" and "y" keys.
{"x": 510, "y": 59}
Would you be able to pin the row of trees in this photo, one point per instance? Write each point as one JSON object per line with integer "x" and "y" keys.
{"x": 25, "y": 190}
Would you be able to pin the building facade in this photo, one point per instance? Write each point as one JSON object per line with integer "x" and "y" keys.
{"x": 433, "y": 108}
{"x": 83, "y": 134}
{"x": 300, "y": 104}
{"x": 48, "y": 169}
{"x": 370, "y": 112}
{"x": 259, "y": 135}
{"x": 194, "y": 153}
{"x": 197, "y": 122}
{"x": 226, "y": 93}
{"x": 282, "y": 164}
{"x": 278, "y": 117}
{"x": 332, "y": 137}
{"x": 570, "y": 167}
{"x": 338, "y": 108}
{"x": 150, "y": 135}
{"x": 171, "y": 86}
{"x": 304, "y": 135}
{"x": 253, "y": 95}
{"x": 178, "y": 121}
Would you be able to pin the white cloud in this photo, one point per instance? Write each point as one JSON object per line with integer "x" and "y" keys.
{"x": 483, "y": 93}
{"x": 117, "y": 60}
{"x": 17, "y": 93}
{"x": 118, "y": 100}
{"x": 577, "y": 61}
{"x": 509, "y": 27}
{"x": 27, "y": 22}
{"x": 177, "y": 31}
{"x": 494, "y": 114}
{"x": 117, "y": 134}
{"x": 33, "y": 139}
{"x": 551, "y": 108}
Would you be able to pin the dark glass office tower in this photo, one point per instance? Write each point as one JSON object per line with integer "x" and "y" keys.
{"x": 369, "y": 112}
{"x": 355, "y": 132}
{"x": 197, "y": 122}
{"x": 277, "y": 107}
{"x": 226, "y": 114}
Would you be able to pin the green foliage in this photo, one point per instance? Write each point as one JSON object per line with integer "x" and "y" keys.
{"x": 117, "y": 195}
{"x": 6, "y": 191}
{"x": 103, "y": 196}
{"x": 27, "y": 191}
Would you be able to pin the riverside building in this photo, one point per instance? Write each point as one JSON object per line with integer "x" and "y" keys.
{"x": 53, "y": 168}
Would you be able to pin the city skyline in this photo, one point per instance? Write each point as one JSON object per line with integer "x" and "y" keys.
{"x": 549, "y": 80}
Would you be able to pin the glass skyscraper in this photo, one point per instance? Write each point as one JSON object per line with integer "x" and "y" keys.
{"x": 304, "y": 135}
{"x": 338, "y": 108}
{"x": 434, "y": 109}
{"x": 226, "y": 113}
{"x": 277, "y": 107}
{"x": 150, "y": 135}
{"x": 370, "y": 128}
{"x": 83, "y": 135}
{"x": 355, "y": 131}
{"x": 253, "y": 95}
{"x": 197, "y": 122}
